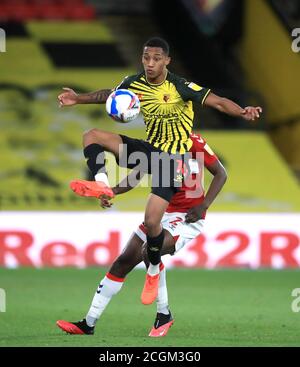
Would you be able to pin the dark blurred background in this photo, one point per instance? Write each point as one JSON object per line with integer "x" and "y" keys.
{"x": 243, "y": 50}
{"x": 240, "y": 49}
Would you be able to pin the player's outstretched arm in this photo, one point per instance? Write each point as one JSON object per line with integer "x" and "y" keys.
{"x": 229, "y": 107}
{"x": 69, "y": 97}
{"x": 127, "y": 184}
{"x": 220, "y": 177}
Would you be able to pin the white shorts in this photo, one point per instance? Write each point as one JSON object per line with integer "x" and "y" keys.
{"x": 181, "y": 231}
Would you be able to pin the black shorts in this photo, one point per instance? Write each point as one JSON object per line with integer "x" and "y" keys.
{"x": 164, "y": 167}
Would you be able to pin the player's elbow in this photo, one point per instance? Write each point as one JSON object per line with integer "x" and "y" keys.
{"x": 225, "y": 176}
{"x": 90, "y": 132}
{"x": 92, "y": 136}
{"x": 150, "y": 224}
{"x": 221, "y": 173}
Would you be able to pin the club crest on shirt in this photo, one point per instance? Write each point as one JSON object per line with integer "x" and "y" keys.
{"x": 166, "y": 97}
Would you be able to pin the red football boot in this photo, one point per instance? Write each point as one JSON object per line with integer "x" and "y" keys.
{"x": 94, "y": 189}
{"x": 76, "y": 328}
{"x": 162, "y": 325}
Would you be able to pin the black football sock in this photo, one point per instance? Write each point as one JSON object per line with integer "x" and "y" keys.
{"x": 95, "y": 158}
{"x": 154, "y": 245}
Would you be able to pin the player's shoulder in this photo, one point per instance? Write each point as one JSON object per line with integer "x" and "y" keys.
{"x": 188, "y": 90}
{"x": 137, "y": 76}
{"x": 198, "y": 140}
{"x": 200, "y": 145}
{"x": 128, "y": 80}
{"x": 176, "y": 79}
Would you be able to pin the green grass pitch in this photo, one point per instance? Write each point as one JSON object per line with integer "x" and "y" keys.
{"x": 210, "y": 307}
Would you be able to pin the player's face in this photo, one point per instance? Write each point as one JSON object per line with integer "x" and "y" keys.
{"x": 155, "y": 61}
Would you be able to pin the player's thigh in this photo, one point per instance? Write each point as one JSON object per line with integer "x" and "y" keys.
{"x": 111, "y": 142}
{"x": 181, "y": 232}
{"x": 155, "y": 209}
{"x": 187, "y": 233}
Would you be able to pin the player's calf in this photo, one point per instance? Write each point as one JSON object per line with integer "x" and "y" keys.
{"x": 154, "y": 246}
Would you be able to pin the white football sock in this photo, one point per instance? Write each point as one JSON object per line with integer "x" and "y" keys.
{"x": 107, "y": 289}
{"x": 153, "y": 269}
{"x": 102, "y": 177}
{"x": 162, "y": 303}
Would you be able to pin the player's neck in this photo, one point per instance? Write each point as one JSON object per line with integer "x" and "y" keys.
{"x": 159, "y": 79}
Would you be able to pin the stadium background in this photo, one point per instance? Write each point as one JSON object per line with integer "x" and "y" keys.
{"x": 242, "y": 50}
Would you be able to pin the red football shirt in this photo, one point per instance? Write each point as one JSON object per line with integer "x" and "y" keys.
{"x": 192, "y": 191}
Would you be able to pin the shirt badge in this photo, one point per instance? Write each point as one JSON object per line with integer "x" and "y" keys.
{"x": 166, "y": 97}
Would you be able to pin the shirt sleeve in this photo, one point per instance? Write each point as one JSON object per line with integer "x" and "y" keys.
{"x": 200, "y": 145}
{"x": 209, "y": 156}
{"x": 190, "y": 91}
{"x": 125, "y": 83}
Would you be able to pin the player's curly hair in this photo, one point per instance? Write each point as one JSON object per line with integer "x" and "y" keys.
{"x": 158, "y": 42}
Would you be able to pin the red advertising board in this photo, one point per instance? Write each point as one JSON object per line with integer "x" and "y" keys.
{"x": 80, "y": 239}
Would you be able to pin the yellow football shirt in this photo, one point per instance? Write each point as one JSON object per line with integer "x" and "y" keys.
{"x": 167, "y": 109}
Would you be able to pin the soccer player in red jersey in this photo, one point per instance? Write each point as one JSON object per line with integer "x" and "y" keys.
{"x": 182, "y": 222}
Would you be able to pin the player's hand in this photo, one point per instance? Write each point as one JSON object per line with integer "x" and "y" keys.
{"x": 105, "y": 203}
{"x": 68, "y": 98}
{"x": 195, "y": 213}
{"x": 251, "y": 113}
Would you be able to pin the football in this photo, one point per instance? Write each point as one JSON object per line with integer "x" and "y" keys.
{"x": 123, "y": 105}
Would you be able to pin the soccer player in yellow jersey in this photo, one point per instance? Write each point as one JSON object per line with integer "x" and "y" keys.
{"x": 166, "y": 105}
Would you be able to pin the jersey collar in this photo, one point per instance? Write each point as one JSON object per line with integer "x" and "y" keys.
{"x": 157, "y": 85}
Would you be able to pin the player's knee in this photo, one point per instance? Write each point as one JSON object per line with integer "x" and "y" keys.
{"x": 92, "y": 136}
{"x": 91, "y": 132}
{"x": 152, "y": 225}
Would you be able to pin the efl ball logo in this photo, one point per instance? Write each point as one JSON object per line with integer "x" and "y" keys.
{"x": 123, "y": 105}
